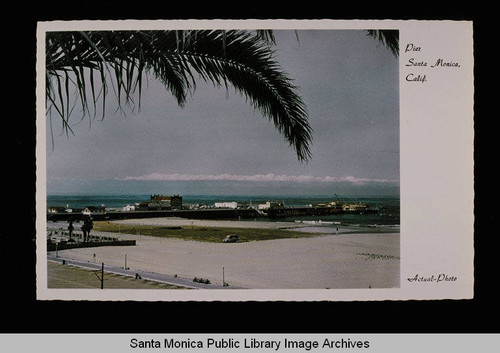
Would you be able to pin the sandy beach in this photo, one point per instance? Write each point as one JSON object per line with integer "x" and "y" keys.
{"x": 369, "y": 260}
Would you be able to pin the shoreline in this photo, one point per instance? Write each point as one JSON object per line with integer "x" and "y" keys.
{"x": 350, "y": 260}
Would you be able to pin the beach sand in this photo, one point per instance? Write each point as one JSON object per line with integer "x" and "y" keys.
{"x": 325, "y": 261}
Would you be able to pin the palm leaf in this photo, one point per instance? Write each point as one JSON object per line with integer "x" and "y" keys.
{"x": 177, "y": 59}
{"x": 389, "y": 38}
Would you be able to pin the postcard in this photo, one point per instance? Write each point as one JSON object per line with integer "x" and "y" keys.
{"x": 255, "y": 160}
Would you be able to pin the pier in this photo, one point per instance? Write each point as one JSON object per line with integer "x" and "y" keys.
{"x": 190, "y": 214}
{"x": 314, "y": 211}
{"x": 218, "y": 214}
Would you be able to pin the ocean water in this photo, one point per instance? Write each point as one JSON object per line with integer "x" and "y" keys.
{"x": 388, "y": 207}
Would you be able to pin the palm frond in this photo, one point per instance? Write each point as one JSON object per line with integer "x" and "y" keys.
{"x": 389, "y": 38}
{"x": 177, "y": 59}
{"x": 266, "y": 35}
{"x": 250, "y": 68}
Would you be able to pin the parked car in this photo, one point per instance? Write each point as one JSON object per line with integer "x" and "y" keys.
{"x": 231, "y": 238}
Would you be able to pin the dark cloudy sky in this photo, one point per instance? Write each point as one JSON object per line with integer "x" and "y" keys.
{"x": 348, "y": 81}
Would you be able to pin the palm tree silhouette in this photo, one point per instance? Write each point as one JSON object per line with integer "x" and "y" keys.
{"x": 88, "y": 62}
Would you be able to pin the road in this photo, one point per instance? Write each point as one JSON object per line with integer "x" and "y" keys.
{"x": 150, "y": 276}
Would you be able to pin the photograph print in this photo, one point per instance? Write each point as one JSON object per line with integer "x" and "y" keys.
{"x": 221, "y": 160}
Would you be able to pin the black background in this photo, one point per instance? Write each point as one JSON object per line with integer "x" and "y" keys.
{"x": 22, "y": 313}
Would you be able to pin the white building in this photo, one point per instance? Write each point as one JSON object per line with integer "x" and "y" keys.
{"x": 232, "y": 205}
